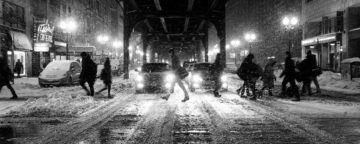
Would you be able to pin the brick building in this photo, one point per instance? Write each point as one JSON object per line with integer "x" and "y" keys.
{"x": 331, "y": 30}
{"x": 262, "y": 17}
{"x": 15, "y": 33}
{"x": 92, "y": 17}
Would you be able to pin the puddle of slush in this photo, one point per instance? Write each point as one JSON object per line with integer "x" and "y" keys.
{"x": 13, "y": 133}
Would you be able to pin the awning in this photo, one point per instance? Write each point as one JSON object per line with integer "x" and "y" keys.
{"x": 76, "y": 49}
{"x": 20, "y": 41}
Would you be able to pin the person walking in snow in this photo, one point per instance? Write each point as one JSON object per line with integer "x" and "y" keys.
{"x": 180, "y": 74}
{"x": 250, "y": 73}
{"x": 268, "y": 78}
{"x": 6, "y": 76}
{"x": 18, "y": 68}
{"x": 289, "y": 73}
{"x": 88, "y": 73}
{"x": 315, "y": 73}
{"x": 106, "y": 77}
{"x": 216, "y": 71}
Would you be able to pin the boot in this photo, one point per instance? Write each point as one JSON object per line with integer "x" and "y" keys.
{"x": 270, "y": 92}
{"x": 253, "y": 98}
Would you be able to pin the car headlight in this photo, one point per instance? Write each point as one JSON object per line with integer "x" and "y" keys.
{"x": 139, "y": 78}
{"x": 223, "y": 78}
{"x": 168, "y": 85}
{"x": 196, "y": 78}
{"x": 170, "y": 78}
{"x": 140, "y": 85}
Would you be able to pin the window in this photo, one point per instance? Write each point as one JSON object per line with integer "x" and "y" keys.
{"x": 13, "y": 15}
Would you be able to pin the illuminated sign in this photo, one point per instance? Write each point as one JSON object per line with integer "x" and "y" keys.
{"x": 45, "y": 33}
{"x": 320, "y": 39}
{"x": 42, "y": 47}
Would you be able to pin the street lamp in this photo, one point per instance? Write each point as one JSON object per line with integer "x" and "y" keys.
{"x": 290, "y": 22}
{"x": 68, "y": 26}
{"x": 250, "y": 37}
{"x": 235, "y": 43}
{"x": 102, "y": 39}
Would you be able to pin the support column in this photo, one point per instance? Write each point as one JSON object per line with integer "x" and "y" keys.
{"x": 221, "y": 32}
{"x": 145, "y": 46}
{"x": 127, "y": 34}
{"x": 205, "y": 41}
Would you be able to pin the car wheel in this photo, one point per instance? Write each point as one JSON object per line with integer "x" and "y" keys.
{"x": 42, "y": 85}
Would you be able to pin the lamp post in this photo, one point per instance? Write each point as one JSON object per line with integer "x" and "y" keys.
{"x": 290, "y": 22}
{"x": 102, "y": 39}
{"x": 116, "y": 45}
{"x": 235, "y": 43}
{"x": 68, "y": 26}
{"x": 250, "y": 37}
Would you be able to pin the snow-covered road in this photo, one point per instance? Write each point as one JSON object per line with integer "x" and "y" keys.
{"x": 146, "y": 118}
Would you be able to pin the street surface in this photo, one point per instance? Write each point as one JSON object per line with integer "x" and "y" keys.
{"x": 146, "y": 118}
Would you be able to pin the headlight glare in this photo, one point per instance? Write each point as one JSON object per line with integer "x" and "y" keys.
{"x": 170, "y": 78}
{"x": 223, "y": 78}
{"x": 139, "y": 78}
{"x": 140, "y": 85}
{"x": 196, "y": 78}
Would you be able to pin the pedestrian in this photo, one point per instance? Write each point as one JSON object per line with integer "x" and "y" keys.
{"x": 106, "y": 77}
{"x": 180, "y": 74}
{"x": 250, "y": 73}
{"x": 316, "y": 71}
{"x": 6, "y": 76}
{"x": 289, "y": 73}
{"x": 305, "y": 75}
{"x": 18, "y": 68}
{"x": 268, "y": 78}
{"x": 216, "y": 71}
{"x": 88, "y": 73}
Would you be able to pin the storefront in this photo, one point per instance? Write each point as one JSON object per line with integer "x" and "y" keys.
{"x": 74, "y": 52}
{"x": 327, "y": 50}
{"x": 20, "y": 49}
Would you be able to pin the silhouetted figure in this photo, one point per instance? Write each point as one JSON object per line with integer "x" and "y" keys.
{"x": 268, "y": 77}
{"x": 305, "y": 75}
{"x": 250, "y": 73}
{"x": 18, "y": 68}
{"x": 216, "y": 71}
{"x": 289, "y": 73}
{"x": 180, "y": 74}
{"x": 315, "y": 74}
{"x": 106, "y": 77}
{"x": 6, "y": 76}
{"x": 88, "y": 73}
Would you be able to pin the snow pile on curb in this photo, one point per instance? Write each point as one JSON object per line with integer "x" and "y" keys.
{"x": 57, "y": 104}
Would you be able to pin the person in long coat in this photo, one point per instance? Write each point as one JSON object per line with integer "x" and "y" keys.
{"x": 88, "y": 73}
{"x": 18, "y": 67}
{"x": 6, "y": 76}
{"x": 106, "y": 77}
{"x": 305, "y": 75}
{"x": 250, "y": 73}
{"x": 268, "y": 77}
{"x": 176, "y": 67}
{"x": 289, "y": 73}
{"x": 216, "y": 71}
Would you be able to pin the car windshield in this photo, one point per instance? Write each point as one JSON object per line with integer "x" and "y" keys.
{"x": 203, "y": 66}
{"x": 57, "y": 66}
{"x": 155, "y": 67}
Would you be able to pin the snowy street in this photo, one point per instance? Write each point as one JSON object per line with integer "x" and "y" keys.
{"x": 331, "y": 117}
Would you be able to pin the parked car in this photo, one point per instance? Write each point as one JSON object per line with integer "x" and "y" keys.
{"x": 59, "y": 73}
{"x": 155, "y": 77}
{"x": 200, "y": 78}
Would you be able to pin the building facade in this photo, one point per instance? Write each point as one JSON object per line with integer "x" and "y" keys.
{"x": 331, "y": 29}
{"x": 15, "y": 33}
{"x": 92, "y": 18}
{"x": 264, "y": 19}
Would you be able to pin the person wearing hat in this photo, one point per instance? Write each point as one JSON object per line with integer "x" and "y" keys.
{"x": 289, "y": 73}
{"x": 268, "y": 77}
{"x": 249, "y": 72}
{"x": 88, "y": 73}
{"x": 216, "y": 71}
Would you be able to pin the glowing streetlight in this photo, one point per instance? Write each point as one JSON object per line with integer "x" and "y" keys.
{"x": 250, "y": 37}
{"x": 290, "y": 22}
{"x": 103, "y": 39}
{"x": 235, "y": 43}
{"x": 68, "y": 26}
{"x": 117, "y": 44}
